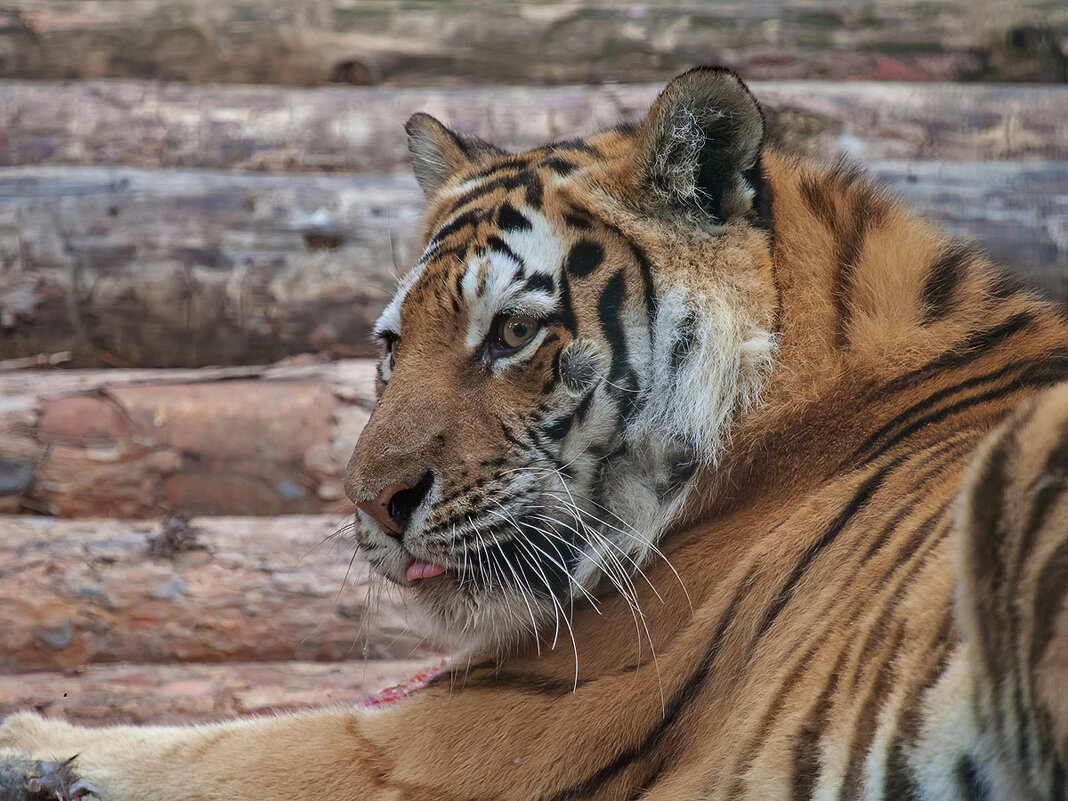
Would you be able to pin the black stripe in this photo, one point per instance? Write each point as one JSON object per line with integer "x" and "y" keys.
{"x": 533, "y": 190}
{"x": 577, "y": 145}
{"x": 609, "y": 308}
{"x": 459, "y": 284}
{"x": 763, "y": 197}
{"x": 555, "y": 379}
{"x": 508, "y": 435}
{"x": 559, "y": 428}
{"x": 772, "y": 712}
{"x": 945, "y": 392}
{"x": 919, "y": 490}
{"x": 795, "y": 673}
{"x": 465, "y": 220}
{"x": 672, "y": 711}
{"x": 503, "y": 165}
{"x": 1050, "y": 589}
{"x": 997, "y": 637}
{"x": 842, "y": 286}
{"x": 583, "y": 258}
{"x": 943, "y": 278}
{"x": 863, "y": 494}
{"x": 1004, "y": 285}
{"x": 646, "y": 270}
{"x": 973, "y": 346}
{"x": 806, "y": 757}
{"x": 1040, "y": 375}
{"x": 849, "y": 221}
{"x": 495, "y": 243}
{"x": 567, "y": 309}
{"x": 578, "y": 219}
{"x": 509, "y": 219}
{"x": 558, "y": 165}
{"x": 866, "y": 719}
{"x": 919, "y": 535}
{"x": 1049, "y": 490}
{"x": 972, "y": 785}
{"x": 540, "y": 282}
{"x": 899, "y": 781}
{"x": 527, "y": 179}
{"x": 1058, "y": 783}
{"x": 875, "y": 634}
{"x": 438, "y": 251}
{"x": 633, "y": 400}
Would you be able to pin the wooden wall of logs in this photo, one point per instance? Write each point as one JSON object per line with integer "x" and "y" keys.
{"x": 275, "y": 222}
{"x": 204, "y": 205}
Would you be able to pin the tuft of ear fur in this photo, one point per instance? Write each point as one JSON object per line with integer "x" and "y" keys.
{"x": 438, "y": 152}
{"x": 701, "y": 136}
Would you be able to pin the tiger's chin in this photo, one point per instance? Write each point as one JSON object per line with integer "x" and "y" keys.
{"x": 472, "y": 615}
{"x": 487, "y": 621}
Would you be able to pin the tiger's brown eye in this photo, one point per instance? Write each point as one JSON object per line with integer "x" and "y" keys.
{"x": 516, "y": 331}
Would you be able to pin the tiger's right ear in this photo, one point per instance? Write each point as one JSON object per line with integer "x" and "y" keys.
{"x": 700, "y": 144}
{"x": 439, "y": 152}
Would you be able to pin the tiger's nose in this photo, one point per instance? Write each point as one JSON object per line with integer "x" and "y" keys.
{"x": 393, "y": 507}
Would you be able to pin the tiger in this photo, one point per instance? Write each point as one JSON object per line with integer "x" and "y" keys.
{"x": 721, "y": 474}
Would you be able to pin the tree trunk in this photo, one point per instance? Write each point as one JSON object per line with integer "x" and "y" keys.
{"x": 148, "y": 443}
{"x": 149, "y": 124}
{"x": 445, "y": 42}
{"x": 143, "y": 267}
{"x": 76, "y": 593}
{"x": 197, "y": 693}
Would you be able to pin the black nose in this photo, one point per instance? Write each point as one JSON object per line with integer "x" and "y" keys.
{"x": 404, "y": 503}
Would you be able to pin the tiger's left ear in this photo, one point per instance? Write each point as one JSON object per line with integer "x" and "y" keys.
{"x": 439, "y": 152}
{"x": 700, "y": 145}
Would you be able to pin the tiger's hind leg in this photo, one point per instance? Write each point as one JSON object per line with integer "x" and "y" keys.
{"x": 1012, "y": 594}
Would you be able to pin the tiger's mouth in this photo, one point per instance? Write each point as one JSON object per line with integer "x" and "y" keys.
{"x": 418, "y": 570}
{"x": 502, "y": 550}
{"x": 492, "y": 577}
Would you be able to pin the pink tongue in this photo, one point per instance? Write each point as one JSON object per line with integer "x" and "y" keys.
{"x": 423, "y": 570}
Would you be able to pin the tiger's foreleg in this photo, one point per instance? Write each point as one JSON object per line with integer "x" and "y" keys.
{"x": 1013, "y": 594}
{"x": 318, "y": 755}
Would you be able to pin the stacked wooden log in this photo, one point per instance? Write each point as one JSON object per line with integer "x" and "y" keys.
{"x": 130, "y": 264}
{"x": 556, "y": 41}
{"x": 203, "y": 260}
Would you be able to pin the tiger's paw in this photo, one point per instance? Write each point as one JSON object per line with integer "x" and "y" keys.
{"x": 23, "y": 779}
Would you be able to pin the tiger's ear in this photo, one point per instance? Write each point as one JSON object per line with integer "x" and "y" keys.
{"x": 439, "y": 152}
{"x": 702, "y": 136}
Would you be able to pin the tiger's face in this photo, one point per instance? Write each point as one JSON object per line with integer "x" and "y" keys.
{"x": 583, "y": 325}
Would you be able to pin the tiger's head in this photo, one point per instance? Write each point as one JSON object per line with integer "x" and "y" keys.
{"x": 586, "y": 323}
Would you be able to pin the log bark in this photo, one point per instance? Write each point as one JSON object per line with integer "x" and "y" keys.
{"x": 554, "y": 42}
{"x": 186, "y": 268}
{"x": 148, "y": 443}
{"x": 75, "y": 593}
{"x": 195, "y": 693}
{"x": 148, "y": 124}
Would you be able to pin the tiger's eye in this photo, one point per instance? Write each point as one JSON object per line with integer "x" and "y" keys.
{"x": 516, "y": 331}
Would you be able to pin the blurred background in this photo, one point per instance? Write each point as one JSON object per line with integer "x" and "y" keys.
{"x": 205, "y": 203}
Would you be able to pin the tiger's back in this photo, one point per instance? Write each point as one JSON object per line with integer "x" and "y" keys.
{"x": 883, "y": 585}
